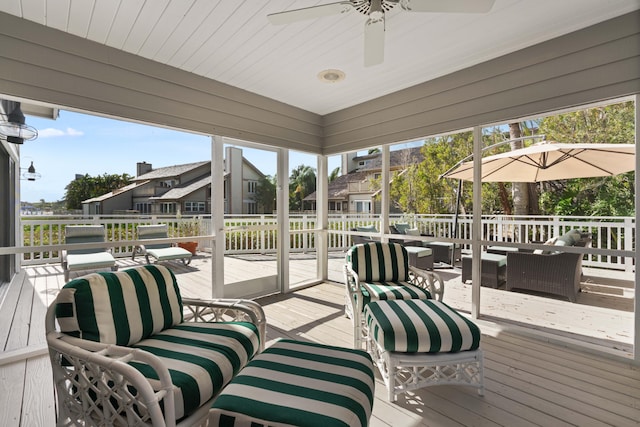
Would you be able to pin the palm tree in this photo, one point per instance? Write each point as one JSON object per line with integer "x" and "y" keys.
{"x": 334, "y": 174}
{"x": 301, "y": 183}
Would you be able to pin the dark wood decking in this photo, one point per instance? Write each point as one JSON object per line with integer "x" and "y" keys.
{"x": 529, "y": 381}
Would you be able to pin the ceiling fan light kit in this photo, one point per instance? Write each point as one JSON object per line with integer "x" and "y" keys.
{"x": 375, "y": 11}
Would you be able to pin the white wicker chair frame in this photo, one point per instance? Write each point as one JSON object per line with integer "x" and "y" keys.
{"x": 402, "y": 372}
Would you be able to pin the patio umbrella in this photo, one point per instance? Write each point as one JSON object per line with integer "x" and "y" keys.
{"x": 548, "y": 161}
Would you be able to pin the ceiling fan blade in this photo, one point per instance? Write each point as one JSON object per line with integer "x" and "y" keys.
{"x": 312, "y": 12}
{"x": 448, "y": 6}
{"x": 374, "y": 41}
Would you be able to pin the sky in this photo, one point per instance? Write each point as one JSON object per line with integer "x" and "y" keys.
{"x": 77, "y": 143}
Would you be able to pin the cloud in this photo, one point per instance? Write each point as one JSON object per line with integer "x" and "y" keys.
{"x": 52, "y": 132}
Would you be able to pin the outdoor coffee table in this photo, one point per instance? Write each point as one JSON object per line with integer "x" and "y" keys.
{"x": 420, "y": 257}
{"x": 444, "y": 252}
{"x": 494, "y": 269}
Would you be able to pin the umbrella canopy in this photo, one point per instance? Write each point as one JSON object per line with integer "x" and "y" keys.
{"x": 549, "y": 161}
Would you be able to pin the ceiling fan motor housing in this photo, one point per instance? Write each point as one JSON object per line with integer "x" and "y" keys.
{"x": 365, "y": 6}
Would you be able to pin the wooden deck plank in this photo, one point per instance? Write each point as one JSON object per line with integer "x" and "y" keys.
{"x": 13, "y": 375}
{"x": 8, "y": 309}
{"x": 560, "y": 396}
{"x": 12, "y": 378}
{"x": 622, "y": 374}
{"x": 38, "y": 405}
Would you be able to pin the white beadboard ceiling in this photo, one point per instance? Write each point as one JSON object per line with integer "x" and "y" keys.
{"x": 231, "y": 41}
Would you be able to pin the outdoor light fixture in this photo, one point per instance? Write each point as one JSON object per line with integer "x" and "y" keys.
{"x": 31, "y": 174}
{"x": 331, "y": 76}
{"x": 12, "y": 125}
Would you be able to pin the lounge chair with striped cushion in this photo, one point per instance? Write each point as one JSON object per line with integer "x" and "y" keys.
{"x": 380, "y": 271}
{"x": 129, "y": 350}
{"x": 159, "y": 251}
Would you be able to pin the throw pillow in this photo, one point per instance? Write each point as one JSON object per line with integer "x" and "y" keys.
{"x": 367, "y": 229}
{"x": 402, "y": 227}
{"x": 412, "y": 232}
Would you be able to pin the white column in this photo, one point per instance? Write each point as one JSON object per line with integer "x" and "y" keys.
{"x": 282, "y": 204}
{"x": 476, "y": 272}
{"x": 384, "y": 210}
{"x": 636, "y": 310}
{"x": 322, "y": 218}
{"x": 217, "y": 217}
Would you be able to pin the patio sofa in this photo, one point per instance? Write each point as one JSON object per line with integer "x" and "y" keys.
{"x": 357, "y": 240}
{"x": 129, "y": 350}
{"x": 549, "y": 272}
{"x": 404, "y": 228}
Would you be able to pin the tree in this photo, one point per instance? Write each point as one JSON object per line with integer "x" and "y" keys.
{"x": 520, "y": 190}
{"x": 87, "y": 187}
{"x": 609, "y": 196}
{"x": 265, "y": 195}
{"x": 418, "y": 187}
{"x": 334, "y": 174}
{"x": 302, "y": 182}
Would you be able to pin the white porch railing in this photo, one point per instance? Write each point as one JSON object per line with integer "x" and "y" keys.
{"x": 258, "y": 233}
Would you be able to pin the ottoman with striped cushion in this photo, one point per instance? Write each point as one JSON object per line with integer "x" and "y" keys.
{"x": 419, "y": 343}
{"x": 294, "y": 383}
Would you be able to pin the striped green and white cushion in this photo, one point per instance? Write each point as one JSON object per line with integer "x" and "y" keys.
{"x": 201, "y": 357}
{"x": 420, "y": 326}
{"x": 379, "y": 262}
{"x": 120, "y": 307}
{"x": 381, "y": 291}
{"x": 299, "y": 384}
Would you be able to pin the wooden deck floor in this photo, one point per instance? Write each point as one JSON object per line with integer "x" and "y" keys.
{"x": 529, "y": 381}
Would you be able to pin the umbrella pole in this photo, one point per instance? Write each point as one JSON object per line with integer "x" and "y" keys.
{"x": 457, "y": 210}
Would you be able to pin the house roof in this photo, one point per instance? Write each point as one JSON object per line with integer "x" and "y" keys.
{"x": 397, "y": 158}
{"x": 177, "y": 193}
{"x": 170, "y": 171}
{"x": 117, "y": 192}
{"x": 339, "y": 187}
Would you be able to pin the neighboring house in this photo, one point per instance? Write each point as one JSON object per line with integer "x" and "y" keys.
{"x": 182, "y": 188}
{"x": 353, "y": 192}
{"x": 115, "y": 202}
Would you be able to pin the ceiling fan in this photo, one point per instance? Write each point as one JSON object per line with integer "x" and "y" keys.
{"x": 375, "y": 10}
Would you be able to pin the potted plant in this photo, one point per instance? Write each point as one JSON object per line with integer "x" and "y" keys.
{"x": 188, "y": 227}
